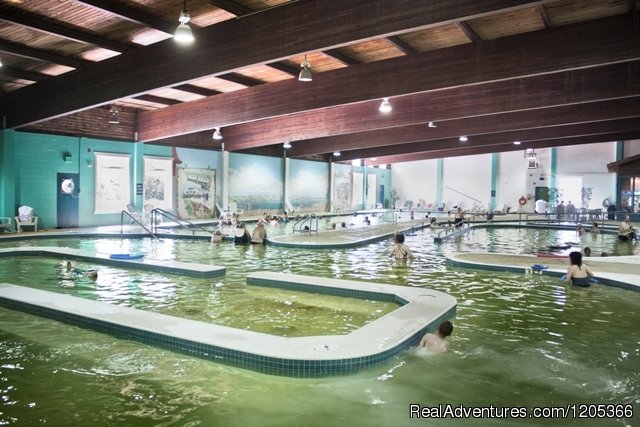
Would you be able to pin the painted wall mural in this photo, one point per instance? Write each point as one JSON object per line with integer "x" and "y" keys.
{"x": 256, "y": 183}
{"x": 158, "y": 183}
{"x": 341, "y": 188}
{"x": 196, "y": 192}
{"x": 113, "y": 182}
{"x": 308, "y": 184}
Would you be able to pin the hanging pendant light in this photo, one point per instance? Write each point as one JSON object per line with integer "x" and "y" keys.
{"x": 305, "y": 75}
{"x": 183, "y": 33}
{"x": 385, "y": 106}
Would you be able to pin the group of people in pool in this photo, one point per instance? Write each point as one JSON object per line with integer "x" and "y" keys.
{"x": 242, "y": 236}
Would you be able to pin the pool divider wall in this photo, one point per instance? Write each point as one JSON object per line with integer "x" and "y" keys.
{"x": 173, "y": 267}
{"x": 316, "y": 356}
{"x": 457, "y": 260}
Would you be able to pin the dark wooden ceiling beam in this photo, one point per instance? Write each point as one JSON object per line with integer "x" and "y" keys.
{"x": 468, "y": 31}
{"x": 543, "y": 91}
{"x": 198, "y": 90}
{"x": 402, "y": 45}
{"x": 134, "y": 15}
{"x": 327, "y": 24}
{"x": 285, "y": 68}
{"x": 500, "y": 122}
{"x": 41, "y": 55}
{"x": 18, "y": 73}
{"x": 525, "y": 135}
{"x": 62, "y": 31}
{"x": 544, "y": 16}
{"x": 345, "y": 59}
{"x": 504, "y": 147}
{"x": 241, "y": 80}
{"x": 157, "y": 99}
{"x": 231, "y": 7}
{"x": 609, "y": 40}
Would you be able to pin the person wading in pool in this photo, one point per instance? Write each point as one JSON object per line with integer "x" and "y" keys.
{"x": 400, "y": 250}
{"x": 577, "y": 273}
{"x": 626, "y": 231}
{"x": 436, "y": 342}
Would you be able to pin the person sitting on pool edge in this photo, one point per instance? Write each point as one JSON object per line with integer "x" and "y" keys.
{"x": 436, "y": 342}
{"x": 400, "y": 250}
{"x": 577, "y": 273}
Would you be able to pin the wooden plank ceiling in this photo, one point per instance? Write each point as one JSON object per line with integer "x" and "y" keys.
{"x": 542, "y": 73}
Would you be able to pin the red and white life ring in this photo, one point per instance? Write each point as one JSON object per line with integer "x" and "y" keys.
{"x": 522, "y": 200}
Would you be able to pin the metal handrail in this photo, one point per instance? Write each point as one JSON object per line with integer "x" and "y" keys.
{"x": 136, "y": 220}
{"x": 388, "y": 211}
{"x": 173, "y": 217}
{"x": 299, "y": 224}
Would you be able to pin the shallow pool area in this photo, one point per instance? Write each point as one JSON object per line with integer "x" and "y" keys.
{"x": 518, "y": 340}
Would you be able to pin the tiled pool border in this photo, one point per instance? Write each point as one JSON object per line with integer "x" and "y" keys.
{"x": 320, "y": 356}
{"x": 454, "y": 260}
{"x": 173, "y": 267}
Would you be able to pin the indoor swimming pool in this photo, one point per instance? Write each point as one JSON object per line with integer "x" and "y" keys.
{"x": 518, "y": 340}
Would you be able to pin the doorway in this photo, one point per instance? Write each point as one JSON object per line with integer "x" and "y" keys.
{"x": 68, "y": 205}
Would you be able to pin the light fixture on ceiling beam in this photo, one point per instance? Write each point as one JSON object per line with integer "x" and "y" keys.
{"x": 337, "y": 154}
{"x": 183, "y": 33}
{"x": 114, "y": 119}
{"x": 432, "y": 125}
{"x": 516, "y": 142}
{"x": 286, "y": 145}
{"x": 217, "y": 135}
{"x": 385, "y": 106}
{"x": 305, "y": 74}
{"x": 463, "y": 138}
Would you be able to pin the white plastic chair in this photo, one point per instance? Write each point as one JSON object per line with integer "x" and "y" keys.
{"x": 26, "y": 218}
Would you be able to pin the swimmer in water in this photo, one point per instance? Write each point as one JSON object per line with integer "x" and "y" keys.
{"x": 436, "y": 342}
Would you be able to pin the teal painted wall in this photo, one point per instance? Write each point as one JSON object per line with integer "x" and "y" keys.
{"x": 30, "y": 164}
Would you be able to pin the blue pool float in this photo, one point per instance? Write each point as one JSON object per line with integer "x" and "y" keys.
{"x": 126, "y": 256}
{"x": 538, "y": 267}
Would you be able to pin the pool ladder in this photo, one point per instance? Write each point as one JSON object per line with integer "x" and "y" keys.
{"x": 312, "y": 227}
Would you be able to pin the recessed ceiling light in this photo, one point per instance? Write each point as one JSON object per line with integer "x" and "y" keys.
{"x": 516, "y": 142}
{"x": 463, "y": 138}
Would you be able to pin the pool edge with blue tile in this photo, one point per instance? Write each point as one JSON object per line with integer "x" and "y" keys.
{"x": 420, "y": 310}
{"x": 610, "y": 271}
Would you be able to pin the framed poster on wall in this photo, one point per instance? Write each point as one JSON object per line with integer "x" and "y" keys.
{"x": 113, "y": 182}
{"x": 196, "y": 192}
{"x": 158, "y": 183}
